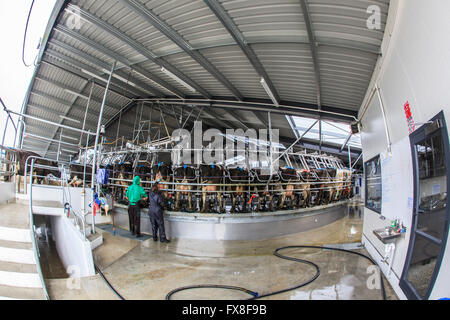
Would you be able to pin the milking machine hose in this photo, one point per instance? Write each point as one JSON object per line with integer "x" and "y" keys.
{"x": 255, "y": 295}
{"x": 108, "y": 283}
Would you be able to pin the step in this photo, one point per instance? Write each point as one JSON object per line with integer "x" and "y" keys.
{"x": 48, "y": 211}
{"x": 52, "y": 208}
{"x": 16, "y": 245}
{"x": 20, "y": 279}
{"x": 96, "y": 240}
{"x": 17, "y": 293}
{"x": 15, "y": 215}
{"x": 17, "y": 267}
{"x": 17, "y": 255}
{"x": 15, "y": 234}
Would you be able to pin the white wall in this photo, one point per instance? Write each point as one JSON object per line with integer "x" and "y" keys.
{"x": 73, "y": 250}
{"x": 55, "y": 193}
{"x": 415, "y": 67}
{"x": 7, "y": 193}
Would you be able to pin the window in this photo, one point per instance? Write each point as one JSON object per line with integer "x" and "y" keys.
{"x": 431, "y": 215}
{"x": 372, "y": 171}
{"x": 332, "y": 132}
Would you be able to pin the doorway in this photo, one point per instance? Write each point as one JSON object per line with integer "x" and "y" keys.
{"x": 429, "y": 231}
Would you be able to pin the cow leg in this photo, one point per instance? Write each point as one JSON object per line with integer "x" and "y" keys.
{"x": 203, "y": 210}
{"x": 177, "y": 201}
{"x": 221, "y": 207}
{"x": 304, "y": 199}
{"x": 233, "y": 203}
{"x": 283, "y": 201}
{"x": 189, "y": 195}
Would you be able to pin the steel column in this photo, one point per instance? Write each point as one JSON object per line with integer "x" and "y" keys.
{"x": 96, "y": 140}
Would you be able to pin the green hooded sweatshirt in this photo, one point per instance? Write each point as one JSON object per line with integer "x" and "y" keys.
{"x": 135, "y": 192}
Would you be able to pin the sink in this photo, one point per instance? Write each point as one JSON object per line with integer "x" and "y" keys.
{"x": 386, "y": 234}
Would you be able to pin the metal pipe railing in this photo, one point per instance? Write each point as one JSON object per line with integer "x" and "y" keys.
{"x": 33, "y": 236}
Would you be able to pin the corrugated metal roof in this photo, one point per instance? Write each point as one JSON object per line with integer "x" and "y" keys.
{"x": 209, "y": 57}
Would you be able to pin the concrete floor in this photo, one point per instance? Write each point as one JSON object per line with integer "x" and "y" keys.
{"x": 15, "y": 215}
{"x": 149, "y": 270}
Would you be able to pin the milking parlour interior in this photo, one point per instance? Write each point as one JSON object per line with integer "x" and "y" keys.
{"x": 230, "y": 150}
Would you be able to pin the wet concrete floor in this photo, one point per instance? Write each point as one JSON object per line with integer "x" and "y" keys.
{"x": 149, "y": 270}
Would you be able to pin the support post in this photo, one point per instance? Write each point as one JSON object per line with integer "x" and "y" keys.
{"x": 99, "y": 124}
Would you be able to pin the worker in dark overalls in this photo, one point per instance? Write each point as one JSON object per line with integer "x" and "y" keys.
{"x": 155, "y": 212}
{"x": 135, "y": 193}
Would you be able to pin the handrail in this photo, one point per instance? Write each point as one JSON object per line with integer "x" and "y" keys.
{"x": 64, "y": 184}
{"x": 71, "y": 209}
{"x": 33, "y": 237}
{"x": 4, "y": 160}
{"x": 37, "y": 158}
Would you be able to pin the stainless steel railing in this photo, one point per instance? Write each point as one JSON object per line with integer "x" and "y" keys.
{"x": 33, "y": 236}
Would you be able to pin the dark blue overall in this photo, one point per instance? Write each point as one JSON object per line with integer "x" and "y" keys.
{"x": 156, "y": 215}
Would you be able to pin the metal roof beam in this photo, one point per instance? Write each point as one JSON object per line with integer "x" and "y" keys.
{"x": 346, "y": 141}
{"x": 262, "y": 105}
{"x": 260, "y": 118}
{"x": 138, "y": 91}
{"x": 139, "y": 48}
{"x": 169, "y": 32}
{"x": 231, "y": 27}
{"x": 64, "y": 115}
{"x": 312, "y": 45}
{"x": 113, "y": 55}
{"x": 90, "y": 124}
{"x": 63, "y": 87}
{"x": 74, "y": 72}
{"x": 236, "y": 118}
{"x": 143, "y": 87}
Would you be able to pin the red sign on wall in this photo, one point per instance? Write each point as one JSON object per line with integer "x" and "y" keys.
{"x": 409, "y": 117}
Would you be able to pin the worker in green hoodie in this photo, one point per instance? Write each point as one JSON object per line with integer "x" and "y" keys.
{"x": 134, "y": 194}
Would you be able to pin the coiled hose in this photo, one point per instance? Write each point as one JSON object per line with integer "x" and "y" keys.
{"x": 254, "y": 294}
{"x": 277, "y": 253}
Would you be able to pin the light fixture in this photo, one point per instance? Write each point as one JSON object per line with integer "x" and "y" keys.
{"x": 70, "y": 151}
{"x": 69, "y": 119}
{"x": 174, "y": 77}
{"x": 71, "y": 138}
{"x": 124, "y": 80}
{"x": 93, "y": 75}
{"x": 269, "y": 92}
{"x": 76, "y": 94}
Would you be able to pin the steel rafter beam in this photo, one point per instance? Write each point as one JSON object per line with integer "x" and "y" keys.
{"x": 138, "y": 48}
{"x": 231, "y": 27}
{"x": 71, "y": 89}
{"x": 313, "y": 48}
{"x": 260, "y": 118}
{"x": 237, "y": 118}
{"x": 346, "y": 141}
{"x": 92, "y": 72}
{"x": 60, "y": 101}
{"x": 263, "y": 105}
{"x": 74, "y": 72}
{"x": 89, "y": 123}
{"x": 373, "y": 52}
{"x": 64, "y": 115}
{"x": 170, "y": 33}
{"x": 113, "y": 55}
{"x": 142, "y": 88}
